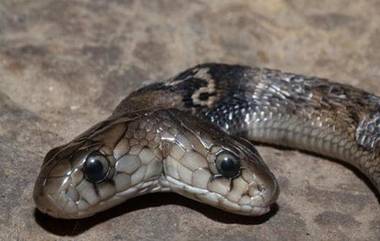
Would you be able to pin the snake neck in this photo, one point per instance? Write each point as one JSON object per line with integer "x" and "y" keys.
{"x": 300, "y": 112}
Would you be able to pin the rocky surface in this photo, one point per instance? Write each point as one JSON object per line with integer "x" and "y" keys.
{"x": 64, "y": 65}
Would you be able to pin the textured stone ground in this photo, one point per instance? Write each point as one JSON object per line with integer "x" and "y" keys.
{"x": 64, "y": 65}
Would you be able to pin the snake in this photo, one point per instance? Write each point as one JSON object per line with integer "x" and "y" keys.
{"x": 193, "y": 134}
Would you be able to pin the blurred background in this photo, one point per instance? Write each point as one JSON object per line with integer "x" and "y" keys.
{"x": 64, "y": 65}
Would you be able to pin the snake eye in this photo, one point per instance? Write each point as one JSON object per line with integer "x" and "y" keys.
{"x": 228, "y": 164}
{"x": 96, "y": 167}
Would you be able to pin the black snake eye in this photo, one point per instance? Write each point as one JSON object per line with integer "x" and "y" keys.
{"x": 95, "y": 168}
{"x": 227, "y": 164}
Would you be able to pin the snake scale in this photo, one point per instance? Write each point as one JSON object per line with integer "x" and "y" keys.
{"x": 190, "y": 134}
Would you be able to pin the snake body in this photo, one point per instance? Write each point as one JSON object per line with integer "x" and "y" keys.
{"x": 188, "y": 135}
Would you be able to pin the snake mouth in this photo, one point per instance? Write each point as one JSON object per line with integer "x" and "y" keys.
{"x": 43, "y": 199}
{"x": 66, "y": 202}
{"x": 55, "y": 204}
{"x": 256, "y": 205}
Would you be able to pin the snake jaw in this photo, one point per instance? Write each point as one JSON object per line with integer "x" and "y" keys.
{"x": 256, "y": 205}
{"x": 68, "y": 202}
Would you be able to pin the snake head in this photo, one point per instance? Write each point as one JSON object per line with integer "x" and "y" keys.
{"x": 76, "y": 179}
{"x": 165, "y": 150}
{"x": 223, "y": 171}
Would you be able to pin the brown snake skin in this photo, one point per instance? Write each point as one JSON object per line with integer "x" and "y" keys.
{"x": 184, "y": 135}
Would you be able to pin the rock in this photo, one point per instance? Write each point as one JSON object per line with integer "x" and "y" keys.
{"x": 65, "y": 65}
